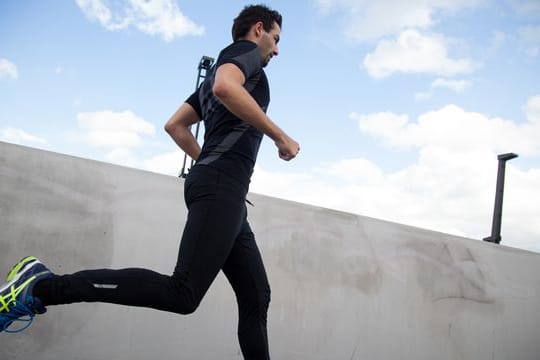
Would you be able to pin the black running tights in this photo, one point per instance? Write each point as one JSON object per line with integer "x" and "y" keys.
{"x": 216, "y": 237}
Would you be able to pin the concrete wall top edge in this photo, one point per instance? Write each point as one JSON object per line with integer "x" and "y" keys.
{"x": 256, "y": 198}
{"x": 90, "y": 161}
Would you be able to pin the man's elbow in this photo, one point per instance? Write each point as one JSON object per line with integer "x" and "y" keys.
{"x": 169, "y": 127}
{"x": 221, "y": 90}
{"x": 173, "y": 126}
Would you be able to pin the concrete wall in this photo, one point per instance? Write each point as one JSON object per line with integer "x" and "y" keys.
{"x": 344, "y": 286}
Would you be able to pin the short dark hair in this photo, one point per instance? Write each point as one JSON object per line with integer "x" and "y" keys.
{"x": 251, "y": 15}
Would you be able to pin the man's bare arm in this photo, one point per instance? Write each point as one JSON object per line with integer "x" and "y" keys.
{"x": 178, "y": 127}
{"x": 229, "y": 89}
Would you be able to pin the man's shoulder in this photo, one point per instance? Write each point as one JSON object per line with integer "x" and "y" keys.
{"x": 237, "y": 48}
{"x": 244, "y": 54}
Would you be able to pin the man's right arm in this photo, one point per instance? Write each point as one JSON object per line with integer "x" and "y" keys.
{"x": 179, "y": 128}
{"x": 229, "y": 89}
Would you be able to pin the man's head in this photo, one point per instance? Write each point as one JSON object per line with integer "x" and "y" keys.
{"x": 261, "y": 25}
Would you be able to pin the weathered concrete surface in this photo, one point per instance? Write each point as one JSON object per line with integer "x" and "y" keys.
{"x": 344, "y": 286}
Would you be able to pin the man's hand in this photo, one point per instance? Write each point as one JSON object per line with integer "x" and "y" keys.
{"x": 287, "y": 148}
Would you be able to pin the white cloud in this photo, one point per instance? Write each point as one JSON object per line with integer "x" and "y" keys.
{"x": 168, "y": 163}
{"x": 354, "y": 170}
{"x": 451, "y": 185}
{"x": 530, "y": 39}
{"x": 458, "y": 86}
{"x": 368, "y": 20}
{"x": 452, "y": 84}
{"x": 454, "y": 128}
{"x": 120, "y": 136}
{"x": 383, "y": 125}
{"x": 21, "y": 137}
{"x": 498, "y": 38}
{"x": 413, "y": 52}
{"x": 113, "y": 129}
{"x": 124, "y": 157}
{"x": 532, "y": 110}
{"x": 97, "y": 10}
{"x": 8, "y": 69}
{"x": 154, "y": 17}
{"x": 420, "y": 96}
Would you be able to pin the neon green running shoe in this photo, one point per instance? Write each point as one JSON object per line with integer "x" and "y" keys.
{"x": 27, "y": 261}
{"x": 17, "y": 303}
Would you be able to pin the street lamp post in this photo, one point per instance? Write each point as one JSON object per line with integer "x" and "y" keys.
{"x": 499, "y": 192}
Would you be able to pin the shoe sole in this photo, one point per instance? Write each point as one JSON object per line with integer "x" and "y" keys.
{"x": 19, "y": 266}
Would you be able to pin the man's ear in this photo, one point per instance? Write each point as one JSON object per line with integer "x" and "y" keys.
{"x": 259, "y": 28}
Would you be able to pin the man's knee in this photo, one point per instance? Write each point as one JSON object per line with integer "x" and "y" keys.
{"x": 187, "y": 300}
{"x": 187, "y": 308}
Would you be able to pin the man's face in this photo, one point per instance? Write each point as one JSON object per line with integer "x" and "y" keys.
{"x": 268, "y": 44}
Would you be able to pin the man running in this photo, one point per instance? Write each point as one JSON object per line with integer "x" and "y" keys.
{"x": 232, "y": 101}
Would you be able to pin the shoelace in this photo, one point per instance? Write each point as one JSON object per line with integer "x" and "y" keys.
{"x": 18, "y": 313}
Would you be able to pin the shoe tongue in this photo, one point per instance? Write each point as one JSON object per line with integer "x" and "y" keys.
{"x": 37, "y": 305}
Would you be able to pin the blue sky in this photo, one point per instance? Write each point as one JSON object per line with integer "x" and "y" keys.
{"x": 400, "y": 107}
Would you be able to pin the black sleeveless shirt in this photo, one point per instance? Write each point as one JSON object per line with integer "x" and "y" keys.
{"x": 231, "y": 144}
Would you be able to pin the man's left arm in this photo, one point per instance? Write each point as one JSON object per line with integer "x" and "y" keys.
{"x": 230, "y": 91}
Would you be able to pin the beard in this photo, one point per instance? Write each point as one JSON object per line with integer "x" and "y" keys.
{"x": 266, "y": 60}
